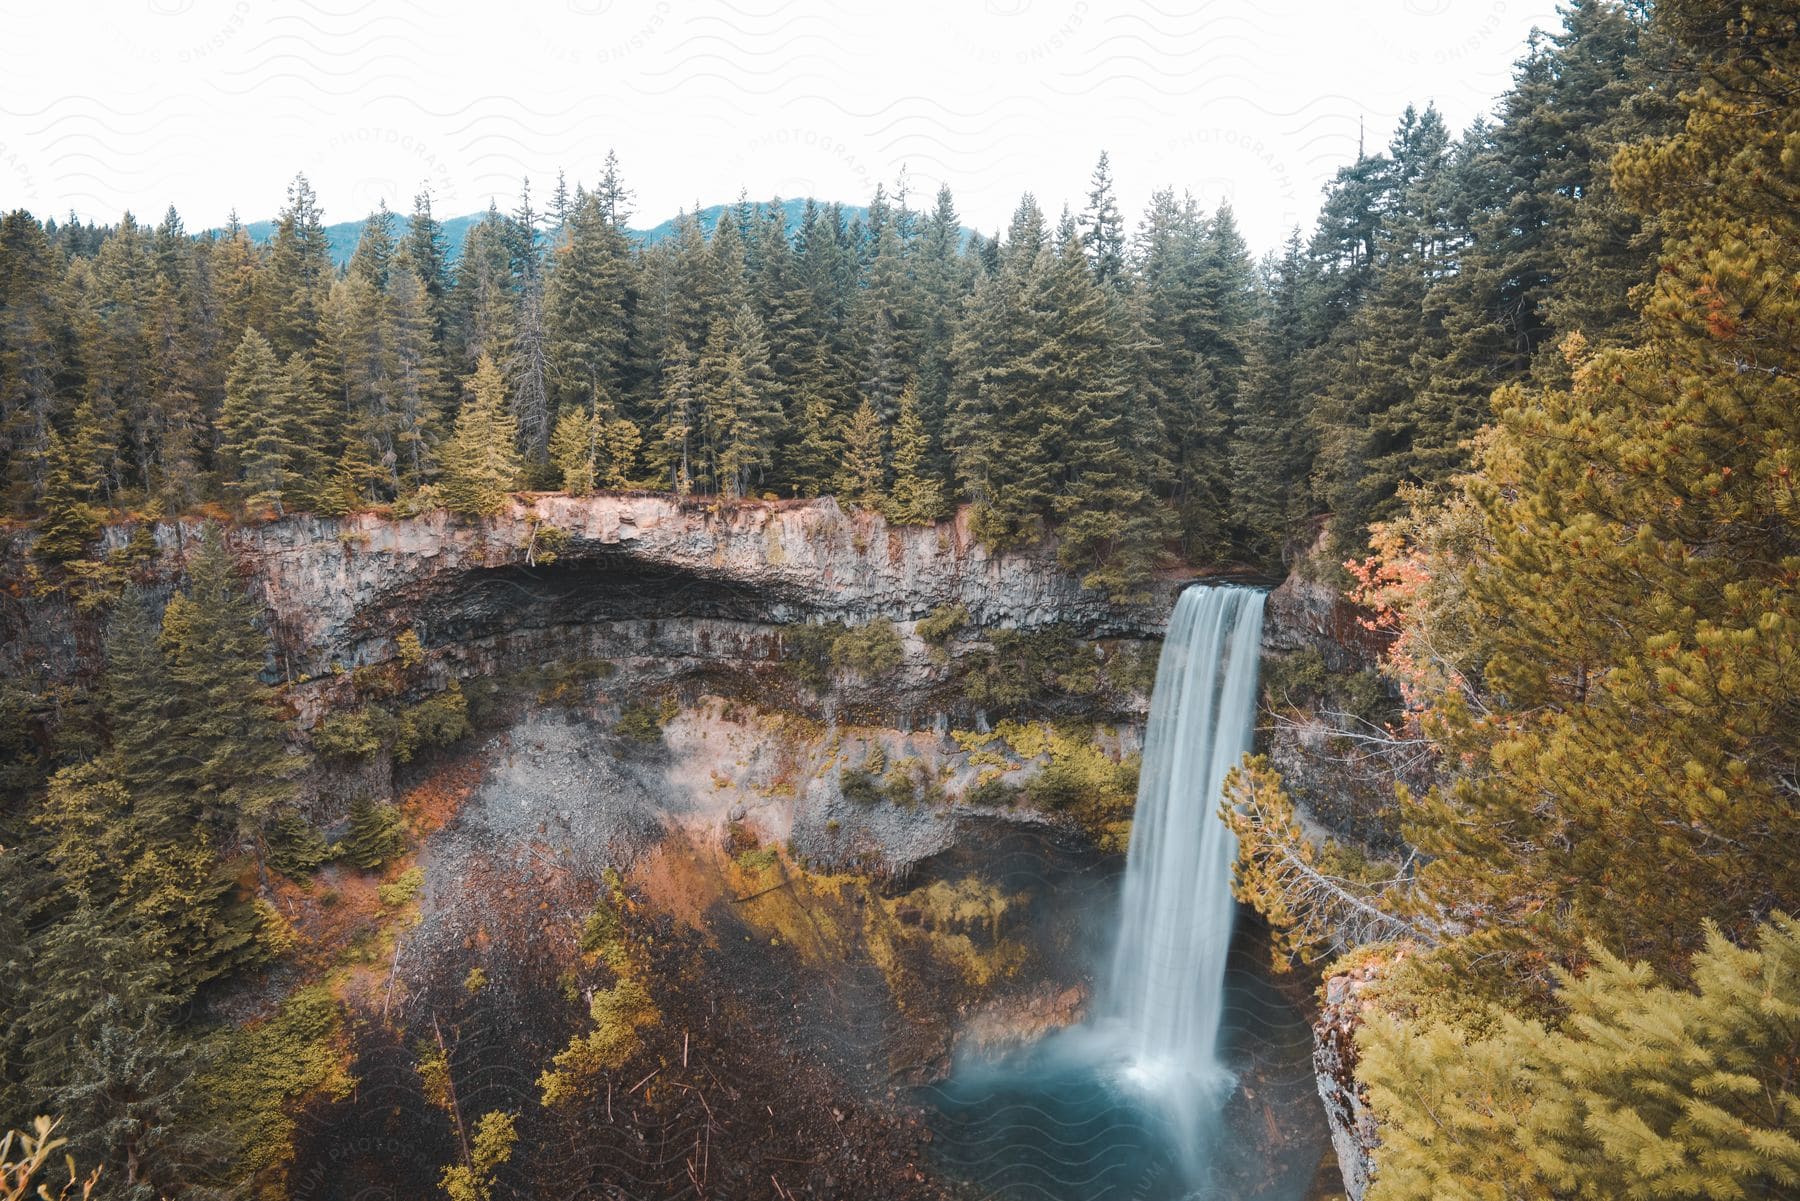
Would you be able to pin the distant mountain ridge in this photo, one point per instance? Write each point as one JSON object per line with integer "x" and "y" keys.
{"x": 342, "y": 235}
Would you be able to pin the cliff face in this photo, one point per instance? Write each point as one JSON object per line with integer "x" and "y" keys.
{"x": 340, "y": 591}
{"x": 340, "y": 588}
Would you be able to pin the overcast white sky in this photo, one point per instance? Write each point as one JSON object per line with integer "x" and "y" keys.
{"x": 215, "y": 104}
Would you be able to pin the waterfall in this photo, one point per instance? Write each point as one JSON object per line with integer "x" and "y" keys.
{"x": 1165, "y": 996}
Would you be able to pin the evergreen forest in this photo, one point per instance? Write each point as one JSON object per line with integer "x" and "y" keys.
{"x": 1524, "y": 396}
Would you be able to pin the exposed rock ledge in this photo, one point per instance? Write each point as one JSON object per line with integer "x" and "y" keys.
{"x": 341, "y": 590}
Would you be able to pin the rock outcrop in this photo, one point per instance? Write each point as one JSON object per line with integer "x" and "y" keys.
{"x": 340, "y": 591}
{"x": 1347, "y": 1114}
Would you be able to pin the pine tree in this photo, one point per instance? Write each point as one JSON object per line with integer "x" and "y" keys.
{"x": 588, "y": 301}
{"x": 1633, "y": 578}
{"x": 226, "y": 721}
{"x": 413, "y": 378}
{"x": 917, "y": 496}
{"x": 312, "y": 427}
{"x": 293, "y": 286}
{"x": 944, "y": 280}
{"x": 32, "y": 353}
{"x": 677, "y": 426}
{"x": 107, "y": 1058}
{"x": 619, "y": 443}
{"x": 997, "y": 428}
{"x": 815, "y": 458}
{"x": 739, "y": 417}
{"x": 71, "y": 521}
{"x": 1644, "y": 1090}
{"x": 1102, "y": 228}
{"x": 483, "y": 302}
{"x": 574, "y": 450}
{"x": 863, "y": 481}
{"x": 1196, "y": 280}
{"x": 374, "y": 253}
{"x": 886, "y": 319}
{"x": 480, "y": 461}
{"x": 1272, "y": 448}
{"x": 430, "y": 255}
{"x": 1110, "y": 525}
{"x": 255, "y": 452}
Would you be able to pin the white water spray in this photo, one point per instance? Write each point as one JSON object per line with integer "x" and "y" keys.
{"x": 1165, "y": 998}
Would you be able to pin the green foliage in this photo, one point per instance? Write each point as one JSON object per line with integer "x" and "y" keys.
{"x": 859, "y": 786}
{"x": 806, "y": 649}
{"x": 71, "y": 521}
{"x": 358, "y": 733}
{"x": 439, "y": 720}
{"x": 574, "y": 450}
{"x": 409, "y": 650}
{"x": 619, "y": 1012}
{"x": 1643, "y": 1090}
{"x": 266, "y": 435}
{"x": 917, "y": 496}
{"x": 1316, "y": 896}
{"x": 481, "y": 466}
{"x": 377, "y": 834}
{"x": 489, "y": 1151}
{"x": 402, "y": 890}
{"x": 592, "y": 449}
{"x": 992, "y": 792}
{"x": 815, "y": 652}
{"x": 265, "y": 1071}
{"x": 98, "y": 1044}
{"x": 198, "y": 734}
{"x": 1630, "y": 737}
{"x": 367, "y": 730}
{"x": 1075, "y": 774}
{"x": 942, "y": 624}
{"x": 641, "y": 723}
{"x": 1050, "y": 668}
{"x": 293, "y": 847}
{"x": 870, "y": 650}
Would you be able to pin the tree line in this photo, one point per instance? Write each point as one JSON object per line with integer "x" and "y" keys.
{"x": 1146, "y": 392}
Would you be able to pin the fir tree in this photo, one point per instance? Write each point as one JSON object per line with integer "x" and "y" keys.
{"x": 226, "y": 721}
{"x": 32, "y": 353}
{"x": 292, "y": 288}
{"x": 480, "y": 461}
{"x": 863, "y": 481}
{"x": 430, "y": 256}
{"x": 255, "y": 451}
{"x": 673, "y": 451}
{"x": 815, "y": 458}
{"x": 71, "y": 522}
{"x": 1644, "y": 1090}
{"x": 917, "y": 496}
{"x": 1102, "y": 229}
{"x": 587, "y": 307}
{"x": 574, "y": 450}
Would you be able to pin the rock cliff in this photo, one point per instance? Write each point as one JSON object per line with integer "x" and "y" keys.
{"x": 340, "y": 591}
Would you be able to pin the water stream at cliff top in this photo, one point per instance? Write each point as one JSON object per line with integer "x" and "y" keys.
{"x": 1168, "y": 1090}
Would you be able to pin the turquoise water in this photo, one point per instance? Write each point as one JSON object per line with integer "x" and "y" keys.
{"x": 1055, "y": 1123}
{"x": 1193, "y": 1077}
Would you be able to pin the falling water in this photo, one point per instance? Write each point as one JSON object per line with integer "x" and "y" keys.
{"x": 1138, "y": 1102}
{"x": 1166, "y": 993}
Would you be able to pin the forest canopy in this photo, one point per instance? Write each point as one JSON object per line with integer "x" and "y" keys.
{"x": 1145, "y": 387}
